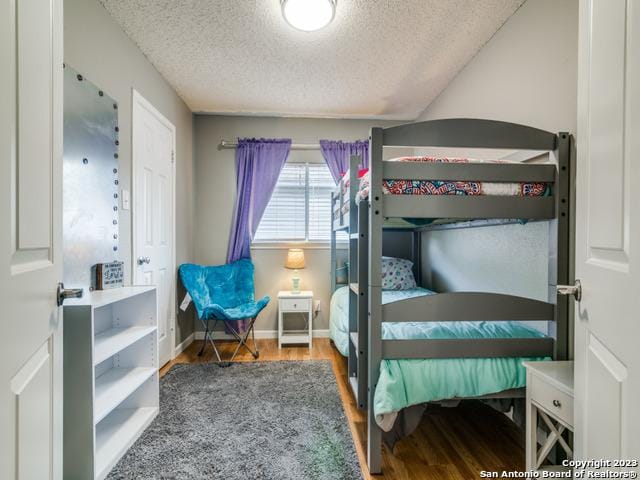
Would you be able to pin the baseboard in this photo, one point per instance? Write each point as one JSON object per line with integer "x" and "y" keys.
{"x": 185, "y": 343}
{"x": 262, "y": 334}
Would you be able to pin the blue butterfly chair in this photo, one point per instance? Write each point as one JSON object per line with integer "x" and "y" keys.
{"x": 224, "y": 294}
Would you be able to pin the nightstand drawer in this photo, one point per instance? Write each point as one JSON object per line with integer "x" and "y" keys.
{"x": 295, "y": 304}
{"x": 556, "y": 402}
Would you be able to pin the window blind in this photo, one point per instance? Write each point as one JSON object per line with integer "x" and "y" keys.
{"x": 300, "y": 207}
{"x": 284, "y": 217}
{"x": 320, "y": 186}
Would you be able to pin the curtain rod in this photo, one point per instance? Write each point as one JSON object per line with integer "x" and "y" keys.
{"x": 294, "y": 146}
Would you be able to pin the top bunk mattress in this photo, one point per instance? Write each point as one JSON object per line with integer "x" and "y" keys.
{"x": 446, "y": 187}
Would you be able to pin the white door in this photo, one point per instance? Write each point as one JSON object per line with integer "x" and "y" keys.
{"x": 30, "y": 239}
{"x": 607, "y": 325}
{"x": 153, "y": 142}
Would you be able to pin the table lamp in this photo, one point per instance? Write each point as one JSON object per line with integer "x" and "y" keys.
{"x": 295, "y": 261}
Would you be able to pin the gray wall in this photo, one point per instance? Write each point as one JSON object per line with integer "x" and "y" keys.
{"x": 527, "y": 73}
{"x": 96, "y": 46}
{"x": 509, "y": 258}
{"x": 215, "y": 196}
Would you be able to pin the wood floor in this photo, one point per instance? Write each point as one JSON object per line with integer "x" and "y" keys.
{"x": 450, "y": 443}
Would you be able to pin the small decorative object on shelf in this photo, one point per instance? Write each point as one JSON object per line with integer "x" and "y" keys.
{"x": 107, "y": 275}
{"x": 295, "y": 261}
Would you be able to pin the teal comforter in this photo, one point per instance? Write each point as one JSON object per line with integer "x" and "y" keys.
{"x": 339, "y": 312}
{"x": 403, "y": 383}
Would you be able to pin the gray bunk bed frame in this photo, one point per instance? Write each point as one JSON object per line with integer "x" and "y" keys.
{"x": 365, "y": 224}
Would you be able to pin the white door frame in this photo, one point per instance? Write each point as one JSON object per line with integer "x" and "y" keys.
{"x": 138, "y": 101}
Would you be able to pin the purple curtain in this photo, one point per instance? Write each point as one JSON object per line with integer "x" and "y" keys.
{"x": 337, "y": 153}
{"x": 258, "y": 165}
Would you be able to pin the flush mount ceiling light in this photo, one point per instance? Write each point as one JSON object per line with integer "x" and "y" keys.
{"x": 308, "y": 15}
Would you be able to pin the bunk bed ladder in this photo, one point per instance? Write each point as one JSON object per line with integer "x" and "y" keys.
{"x": 357, "y": 292}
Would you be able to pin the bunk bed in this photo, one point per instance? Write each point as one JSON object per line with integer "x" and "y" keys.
{"x": 395, "y": 337}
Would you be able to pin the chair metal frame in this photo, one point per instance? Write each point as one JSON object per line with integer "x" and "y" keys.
{"x": 242, "y": 340}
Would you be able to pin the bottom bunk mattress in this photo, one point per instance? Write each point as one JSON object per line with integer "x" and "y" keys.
{"x": 404, "y": 383}
{"x": 339, "y": 312}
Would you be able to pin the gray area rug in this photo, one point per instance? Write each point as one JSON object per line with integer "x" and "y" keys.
{"x": 261, "y": 420}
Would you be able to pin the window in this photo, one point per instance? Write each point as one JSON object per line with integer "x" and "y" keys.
{"x": 300, "y": 207}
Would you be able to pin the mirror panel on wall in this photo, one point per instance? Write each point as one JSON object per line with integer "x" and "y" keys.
{"x": 90, "y": 181}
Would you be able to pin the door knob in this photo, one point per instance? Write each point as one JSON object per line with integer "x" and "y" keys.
{"x": 64, "y": 293}
{"x": 143, "y": 260}
{"x": 575, "y": 290}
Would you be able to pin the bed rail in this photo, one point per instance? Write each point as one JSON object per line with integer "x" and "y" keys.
{"x": 467, "y": 306}
{"x": 485, "y": 172}
{"x": 469, "y": 133}
{"x": 468, "y": 207}
{"x": 467, "y": 348}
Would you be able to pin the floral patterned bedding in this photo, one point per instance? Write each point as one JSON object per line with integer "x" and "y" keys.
{"x": 448, "y": 187}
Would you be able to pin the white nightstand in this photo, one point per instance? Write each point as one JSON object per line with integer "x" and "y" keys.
{"x": 295, "y": 303}
{"x": 550, "y": 398}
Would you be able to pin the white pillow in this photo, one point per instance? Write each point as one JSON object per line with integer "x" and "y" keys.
{"x": 397, "y": 274}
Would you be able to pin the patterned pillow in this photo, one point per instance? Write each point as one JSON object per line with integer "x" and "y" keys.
{"x": 397, "y": 274}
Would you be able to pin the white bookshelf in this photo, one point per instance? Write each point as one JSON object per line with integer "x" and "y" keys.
{"x": 111, "y": 389}
{"x": 115, "y": 386}
{"x": 113, "y": 340}
{"x": 117, "y": 432}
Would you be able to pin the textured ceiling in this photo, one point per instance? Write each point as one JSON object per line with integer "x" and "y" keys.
{"x": 377, "y": 59}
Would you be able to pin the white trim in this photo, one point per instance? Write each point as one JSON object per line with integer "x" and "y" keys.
{"x": 288, "y": 245}
{"x": 279, "y": 115}
{"x": 184, "y": 345}
{"x": 138, "y": 100}
{"x": 261, "y": 334}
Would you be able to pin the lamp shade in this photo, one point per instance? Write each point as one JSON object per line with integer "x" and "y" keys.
{"x": 295, "y": 258}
